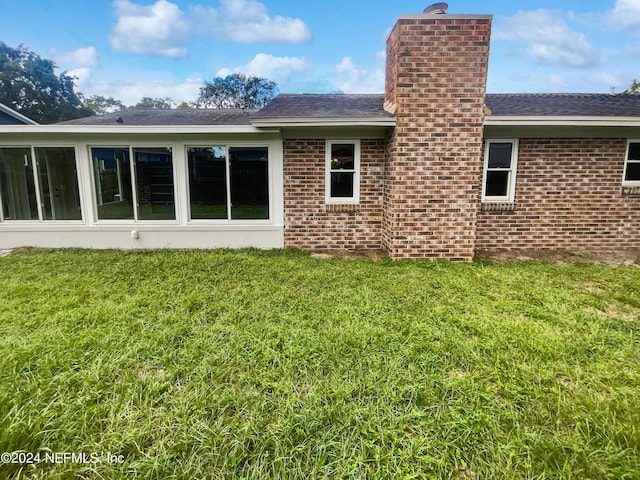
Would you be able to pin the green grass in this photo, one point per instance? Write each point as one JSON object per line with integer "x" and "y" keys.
{"x": 275, "y": 365}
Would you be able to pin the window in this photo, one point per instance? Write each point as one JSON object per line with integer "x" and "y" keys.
{"x": 228, "y": 182}
{"x": 632, "y": 165}
{"x": 142, "y": 189}
{"x": 42, "y": 190}
{"x": 342, "y": 181}
{"x": 501, "y": 158}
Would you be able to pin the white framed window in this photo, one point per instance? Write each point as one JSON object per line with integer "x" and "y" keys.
{"x": 39, "y": 183}
{"x": 342, "y": 167}
{"x": 134, "y": 183}
{"x": 631, "y": 177}
{"x": 228, "y": 182}
{"x": 500, "y": 165}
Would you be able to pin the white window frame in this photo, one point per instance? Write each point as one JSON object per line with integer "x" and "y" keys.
{"x": 36, "y": 175}
{"x": 511, "y": 185}
{"x": 130, "y": 146}
{"x": 629, "y": 183}
{"x": 227, "y": 146}
{"x": 355, "y": 199}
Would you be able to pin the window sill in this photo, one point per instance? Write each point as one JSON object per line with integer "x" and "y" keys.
{"x": 631, "y": 190}
{"x": 342, "y": 207}
{"x": 498, "y": 206}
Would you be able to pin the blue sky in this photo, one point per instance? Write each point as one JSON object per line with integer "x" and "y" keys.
{"x": 166, "y": 48}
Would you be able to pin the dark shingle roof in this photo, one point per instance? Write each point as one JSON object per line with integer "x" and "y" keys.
{"x": 156, "y": 117}
{"x": 324, "y": 106}
{"x": 564, "y": 104}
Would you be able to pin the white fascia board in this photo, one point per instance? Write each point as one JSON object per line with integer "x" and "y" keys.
{"x": 17, "y": 115}
{"x": 324, "y": 122}
{"x": 129, "y": 129}
{"x": 562, "y": 121}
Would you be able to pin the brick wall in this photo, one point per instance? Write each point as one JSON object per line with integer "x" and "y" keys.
{"x": 568, "y": 196}
{"x": 436, "y": 79}
{"x": 310, "y": 223}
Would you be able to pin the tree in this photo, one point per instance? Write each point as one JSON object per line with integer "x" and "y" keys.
{"x": 100, "y": 105}
{"x": 29, "y": 85}
{"x": 634, "y": 87}
{"x": 236, "y": 91}
{"x": 160, "y": 103}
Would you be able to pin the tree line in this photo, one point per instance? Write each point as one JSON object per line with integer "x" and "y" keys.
{"x": 30, "y": 85}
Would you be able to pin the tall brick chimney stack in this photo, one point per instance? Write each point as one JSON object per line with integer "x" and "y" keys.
{"x": 435, "y": 85}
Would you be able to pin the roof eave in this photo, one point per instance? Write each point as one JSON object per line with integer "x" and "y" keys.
{"x": 569, "y": 121}
{"x": 129, "y": 129}
{"x": 17, "y": 115}
{"x": 324, "y": 122}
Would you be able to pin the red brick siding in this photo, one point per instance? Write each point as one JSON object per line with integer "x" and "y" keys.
{"x": 568, "y": 195}
{"x": 310, "y": 223}
{"x": 436, "y": 78}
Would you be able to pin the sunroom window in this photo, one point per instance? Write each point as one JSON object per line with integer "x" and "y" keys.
{"x": 500, "y": 171}
{"x": 228, "y": 182}
{"x": 44, "y": 190}
{"x": 142, "y": 189}
{"x": 632, "y": 165}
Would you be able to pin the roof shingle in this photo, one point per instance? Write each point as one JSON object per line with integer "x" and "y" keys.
{"x": 564, "y": 104}
{"x": 180, "y": 116}
{"x": 324, "y": 106}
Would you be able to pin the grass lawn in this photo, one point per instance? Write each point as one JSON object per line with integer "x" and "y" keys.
{"x": 275, "y": 365}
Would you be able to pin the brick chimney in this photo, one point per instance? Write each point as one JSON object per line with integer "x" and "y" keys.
{"x": 435, "y": 84}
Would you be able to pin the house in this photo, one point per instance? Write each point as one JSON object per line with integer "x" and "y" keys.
{"x": 8, "y": 116}
{"x": 432, "y": 168}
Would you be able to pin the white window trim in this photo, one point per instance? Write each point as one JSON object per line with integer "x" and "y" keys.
{"x": 629, "y": 183}
{"x": 511, "y": 187}
{"x": 41, "y": 221}
{"x": 229, "y": 221}
{"x": 355, "y": 199}
{"x": 130, "y": 146}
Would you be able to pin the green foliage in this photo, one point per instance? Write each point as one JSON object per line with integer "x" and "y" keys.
{"x": 275, "y": 365}
{"x": 236, "y": 91}
{"x": 159, "y": 103}
{"x": 29, "y": 85}
{"x": 634, "y": 87}
{"x": 100, "y": 105}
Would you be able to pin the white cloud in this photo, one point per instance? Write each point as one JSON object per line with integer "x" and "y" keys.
{"x": 609, "y": 80}
{"x": 278, "y": 69}
{"x": 625, "y": 15}
{"x": 82, "y": 78}
{"x": 158, "y": 30}
{"x": 80, "y": 58}
{"x": 551, "y": 40}
{"x": 131, "y": 92}
{"x": 356, "y": 80}
{"x": 247, "y": 21}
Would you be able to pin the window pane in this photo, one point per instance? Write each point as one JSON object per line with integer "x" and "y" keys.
{"x": 58, "y": 183}
{"x": 633, "y": 172}
{"x": 249, "y": 171}
{"x": 154, "y": 183}
{"x": 497, "y": 184}
{"x": 17, "y": 187}
{"x": 343, "y": 156}
{"x": 112, "y": 172}
{"x": 208, "y": 182}
{"x": 634, "y": 151}
{"x": 342, "y": 185}
{"x": 500, "y": 155}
